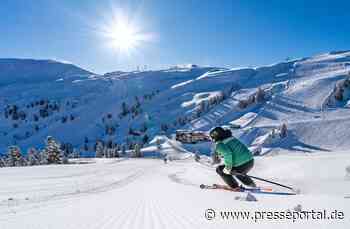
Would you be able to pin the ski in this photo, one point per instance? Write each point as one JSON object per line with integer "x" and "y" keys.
{"x": 257, "y": 190}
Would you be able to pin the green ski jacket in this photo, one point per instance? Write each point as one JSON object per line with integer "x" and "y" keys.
{"x": 234, "y": 152}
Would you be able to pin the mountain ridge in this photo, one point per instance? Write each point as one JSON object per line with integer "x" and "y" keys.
{"x": 113, "y": 106}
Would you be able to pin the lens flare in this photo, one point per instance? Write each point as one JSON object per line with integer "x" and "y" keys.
{"x": 123, "y": 34}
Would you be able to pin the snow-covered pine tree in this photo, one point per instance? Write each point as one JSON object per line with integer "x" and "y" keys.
{"x": 125, "y": 109}
{"x": 99, "y": 149}
{"x": 116, "y": 151}
{"x": 123, "y": 150}
{"x": 52, "y": 152}
{"x": 338, "y": 93}
{"x": 86, "y": 147}
{"x": 145, "y": 139}
{"x": 68, "y": 150}
{"x": 137, "y": 102}
{"x": 2, "y": 161}
{"x": 137, "y": 150}
{"x": 260, "y": 95}
{"x": 158, "y": 143}
{"x": 144, "y": 127}
{"x": 14, "y": 157}
{"x": 164, "y": 127}
{"x": 75, "y": 153}
{"x": 105, "y": 152}
{"x": 33, "y": 157}
{"x": 108, "y": 152}
{"x": 64, "y": 158}
{"x": 200, "y": 109}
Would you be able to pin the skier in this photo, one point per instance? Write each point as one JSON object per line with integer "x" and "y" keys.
{"x": 237, "y": 158}
{"x": 197, "y": 158}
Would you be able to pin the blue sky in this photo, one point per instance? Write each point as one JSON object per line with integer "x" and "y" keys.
{"x": 224, "y": 33}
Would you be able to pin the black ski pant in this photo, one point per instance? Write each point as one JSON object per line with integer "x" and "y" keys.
{"x": 230, "y": 179}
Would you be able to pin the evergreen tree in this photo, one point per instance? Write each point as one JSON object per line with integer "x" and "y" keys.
{"x": 123, "y": 150}
{"x": 338, "y": 94}
{"x": 86, "y": 147}
{"x": 68, "y": 149}
{"x": 35, "y": 118}
{"x": 105, "y": 152}
{"x": 137, "y": 150}
{"x": 14, "y": 157}
{"x": 15, "y": 115}
{"x": 144, "y": 127}
{"x": 260, "y": 95}
{"x": 125, "y": 109}
{"x": 145, "y": 139}
{"x": 75, "y": 153}
{"x": 52, "y": 153}
{"x": 99, "y": 149}
{"x": 158, "y": 143}
{"x": 2, "y": 162}
{"x": 33, "y": 157}
{"x": 116, "y": 151}
{"x": 164, "y": 127}
{"x": 201, "y": 108}
{"x": 137, "y": 104}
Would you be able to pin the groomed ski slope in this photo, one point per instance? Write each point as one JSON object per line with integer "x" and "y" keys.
{"x": 146, "y": 193}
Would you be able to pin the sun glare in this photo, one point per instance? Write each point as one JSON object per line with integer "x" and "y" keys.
{"x": 124, "y": 35}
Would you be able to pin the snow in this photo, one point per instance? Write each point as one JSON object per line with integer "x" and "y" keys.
{"x": 34, "y": 71}
{"x": 298, "y": 91}
{"x": 199, "y": 97}
{"x": 244, "y": 120}
{"x": 168, "y": 148}
{"x": 146, "y": 193}
{"x": 282, "y": 74}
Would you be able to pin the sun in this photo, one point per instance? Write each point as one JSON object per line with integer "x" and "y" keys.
{"x": 123, "y": 34}
{"x": 123, "y": 37}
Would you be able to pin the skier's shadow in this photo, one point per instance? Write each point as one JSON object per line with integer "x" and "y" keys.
{"x": 177, "y": 179}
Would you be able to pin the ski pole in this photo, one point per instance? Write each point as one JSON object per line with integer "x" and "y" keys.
{"x": 261, "y": 179}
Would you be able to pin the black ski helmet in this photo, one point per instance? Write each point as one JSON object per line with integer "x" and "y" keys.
{"x": 218, "y": 133}
{"x": 49, "y": 138}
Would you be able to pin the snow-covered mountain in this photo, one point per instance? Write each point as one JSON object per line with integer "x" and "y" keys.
{"x": 292, "y": 107}
{"x": 23, "y": 71}
{"x": 79, "y": 107}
